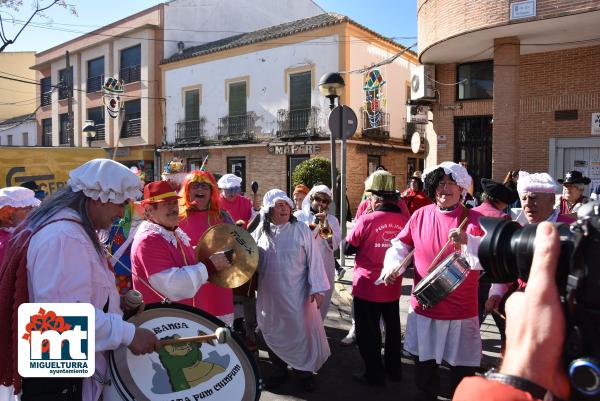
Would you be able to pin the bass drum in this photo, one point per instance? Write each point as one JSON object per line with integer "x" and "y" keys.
{"x": 187, "y": 371}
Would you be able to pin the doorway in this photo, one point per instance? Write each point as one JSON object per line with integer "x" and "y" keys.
{"x": 473, "y": 147}
{"x": 292, "y": 163}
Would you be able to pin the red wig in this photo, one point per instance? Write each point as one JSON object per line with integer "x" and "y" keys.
{"x": 214, "y": 209}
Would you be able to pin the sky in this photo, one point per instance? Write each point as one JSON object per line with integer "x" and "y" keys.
{"x": 392, "y": 18}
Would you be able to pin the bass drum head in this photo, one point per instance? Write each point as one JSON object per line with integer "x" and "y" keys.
{"x": 194, "y": 371}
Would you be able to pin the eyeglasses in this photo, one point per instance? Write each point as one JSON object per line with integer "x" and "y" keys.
{"x": 321, "y": 200}
{"x": 446, "y": 184}
{"x": 200, "y": 185}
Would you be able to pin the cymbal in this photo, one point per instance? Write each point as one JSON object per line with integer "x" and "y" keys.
{"x": 244, "y": 258}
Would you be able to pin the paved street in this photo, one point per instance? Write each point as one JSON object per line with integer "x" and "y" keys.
{"x": 334, "y": 379}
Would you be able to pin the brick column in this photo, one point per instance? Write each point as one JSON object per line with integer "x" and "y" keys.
{"x": 506, "y": 106}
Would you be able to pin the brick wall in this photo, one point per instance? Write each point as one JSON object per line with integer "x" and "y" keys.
{"x": 442, "y": 19}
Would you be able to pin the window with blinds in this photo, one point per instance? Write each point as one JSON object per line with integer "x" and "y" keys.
{"x": 300, "y": 90}
{"x": 237, "y": 99}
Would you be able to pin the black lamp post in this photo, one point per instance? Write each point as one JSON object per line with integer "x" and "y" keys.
{"x": 332, "y": 87}
{"x": 90, "y": 132}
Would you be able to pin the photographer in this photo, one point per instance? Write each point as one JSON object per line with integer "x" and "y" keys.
{"x": 535, "y": 332}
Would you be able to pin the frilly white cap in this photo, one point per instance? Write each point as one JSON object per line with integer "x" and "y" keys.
{"x": 18, "y": 197}
{"x": 229, "y": 181}
{"x": 536, "y": 182}
{"x": 459, "y": 173}
{"x": 106, "y": 180}
{"x": 317, "y": 188}
{"x": 272, "y": 197}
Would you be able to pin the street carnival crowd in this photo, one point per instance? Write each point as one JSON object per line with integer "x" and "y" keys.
{"x": 106, "y": 233}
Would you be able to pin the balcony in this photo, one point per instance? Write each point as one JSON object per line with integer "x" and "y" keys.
{"x": 299, "y": 124}
{"x": 132, "y": 126}
{"x": 190, "y": 132}
{"x": 237, "y": 128}
{"x": 64, "y": 91}
{"x": 46, "y": 98}
{"x": 100, "y": 132}
{"x": 94, "y": 84}
{"x": 376, "y": 127}
{"x": 130, "y": 74}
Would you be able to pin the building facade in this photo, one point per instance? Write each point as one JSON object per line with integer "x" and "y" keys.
{"x": 516, "y": 84}
{"x": 17, "y": 98}
{"x": 130, "y": 50}
{"x": 19, "y": 131}
{"x": 251, "y": 102}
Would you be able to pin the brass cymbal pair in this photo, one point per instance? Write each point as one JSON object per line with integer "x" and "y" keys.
{"x": 239, "y": 247}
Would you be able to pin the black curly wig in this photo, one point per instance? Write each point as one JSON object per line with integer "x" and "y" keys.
{"x": 432, "y": 180}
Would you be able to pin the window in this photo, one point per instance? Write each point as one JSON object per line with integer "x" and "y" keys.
{"x": 96, "y": 114}
{"x": 65, "y": 82}
{"x": 47, "y": 132}
{"x": 192, "y": 105}
{"x": 300, "y": 91}
{"x": 476, "y": 80}
{"x": 25, "y": 139}
{"x": 132, "y": 126}
{"x": 372, "y": 163}
{"x": 9, "y": 141}
{"x": 95, "y": 74}
{"x": 46, "y": 90}
{"x": 131, "y": 60}
{"x": 237, "y": 166}
{"x": 237, "y": 99}
{"x": 63, "y": 134}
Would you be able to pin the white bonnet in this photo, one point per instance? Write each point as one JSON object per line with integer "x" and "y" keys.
{"x": 317, "y": 188}
{"x": 273, "y": 196}
{"x": 459, "y": 174}
{"x": 536, "y": 182}
{"x": 229, "y": 181}
{"x": 18, "y": 197}
{"x": 106, "y": 180}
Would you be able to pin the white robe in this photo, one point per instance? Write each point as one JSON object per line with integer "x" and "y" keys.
{"x": 290, "y": 270}
{"x": 326, "y": 249}
{"x": 63, "y": 266}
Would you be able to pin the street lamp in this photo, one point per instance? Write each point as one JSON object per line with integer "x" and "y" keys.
{"x": 90, "y": 131}
{"x": 332, "y": 87}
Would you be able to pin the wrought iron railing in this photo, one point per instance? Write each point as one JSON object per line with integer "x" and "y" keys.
{"x": 94, "y": 84}
{"x": 303, "y": 123}
{"x": 99, "y": 132}
{"x": 237, "y": 128}
{"x": 46, "y": 98}
{"x": 132, "y": 126}
{"x": 64, "y": 91}
{"x": 190, "y": 132}
{"x": 130, "y": 74}
{"x": 376, "y": 126}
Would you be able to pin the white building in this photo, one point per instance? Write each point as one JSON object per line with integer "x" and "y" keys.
{"x": 19, "y": 131}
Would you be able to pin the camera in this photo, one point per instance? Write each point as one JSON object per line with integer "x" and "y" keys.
{"x": 506, "y": 253}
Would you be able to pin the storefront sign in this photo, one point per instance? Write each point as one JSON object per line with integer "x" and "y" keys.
{"x": 417, "y": 114}
{"x": 522, "y": 9}
{"x": 299, "y": 149}
{"x": 595, "y": 123}
{"x": 371, "y": 150}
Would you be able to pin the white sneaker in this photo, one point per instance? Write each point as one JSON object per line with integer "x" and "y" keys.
{"x": 349, "y": 339}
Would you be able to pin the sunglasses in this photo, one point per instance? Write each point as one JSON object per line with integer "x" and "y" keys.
{"x": 200, "y": 185}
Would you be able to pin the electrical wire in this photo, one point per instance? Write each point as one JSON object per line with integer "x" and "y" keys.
{"x": 384, "y": 62}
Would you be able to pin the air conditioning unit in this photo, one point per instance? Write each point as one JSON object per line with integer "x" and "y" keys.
{"x": 422, "y": 82}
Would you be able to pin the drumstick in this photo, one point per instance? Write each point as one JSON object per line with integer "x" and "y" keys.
{"x": 404, "y": 262}
{"x": 497, "y": 313}
{"x": 439, "y": 255}
{"x": 221, "y": 335}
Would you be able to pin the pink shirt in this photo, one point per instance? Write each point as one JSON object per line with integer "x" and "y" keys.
{"x": 427, "y": 231}
{"x": 240, "y": 208}
{"x": 362, "y": 208}
{"x": 216, "y": 300}
{"x": 4, "y": 238}
{"x": 151, "y": 253}
{"x": 486, "y": 209}
{"x": 372, "y": 234}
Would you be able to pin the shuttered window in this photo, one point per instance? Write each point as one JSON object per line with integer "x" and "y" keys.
{"x": 300, "y": 90}
{"x": 192, "y": 105}
{"x": 237, "y": 99}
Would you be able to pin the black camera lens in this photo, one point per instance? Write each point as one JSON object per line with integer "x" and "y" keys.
{"x": 506, "y": 251}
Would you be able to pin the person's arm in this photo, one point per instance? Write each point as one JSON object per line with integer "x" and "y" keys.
{"x": 317, "y": 276}
{"x": 173, "y": 282}
{"x": 334, "y": 243}
{"x": 535, "y": 330}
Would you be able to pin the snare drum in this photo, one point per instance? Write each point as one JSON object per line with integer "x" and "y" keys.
{"x": 194, "y": 371}
{"x": 440, "y": 282}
